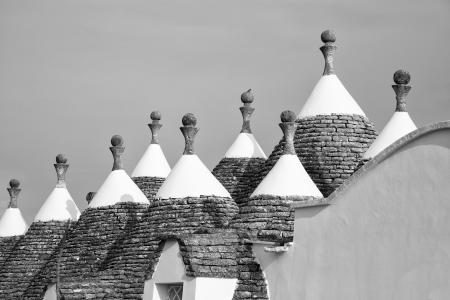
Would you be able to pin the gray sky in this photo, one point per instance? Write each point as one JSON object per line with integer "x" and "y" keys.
{"x": 73, "y": 73}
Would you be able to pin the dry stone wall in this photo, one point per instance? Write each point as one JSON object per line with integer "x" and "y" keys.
{"x": 149, "y": 185}
{"x": 6, "y": 245}
{"x": 268, "y": 218}
{"x": 239, "y": 176}
{"x": 28, "y": 257}
{"x": 186, "y": 215}
{"x": 330, "y": 148}
{"x": 251, "y": 282}
{"x": 87, "y": 244}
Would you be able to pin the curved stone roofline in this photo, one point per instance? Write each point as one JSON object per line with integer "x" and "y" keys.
{"x": 367, "y": 167}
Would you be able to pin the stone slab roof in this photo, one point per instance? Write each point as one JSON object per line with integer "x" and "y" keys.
{"x": 239, "y": 176}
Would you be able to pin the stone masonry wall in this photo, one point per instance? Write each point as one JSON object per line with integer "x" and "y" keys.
{"x": 28, "y": 257}
{"x": 6, "y": 245}
{"x": 329, "y": 147}
{"x": 88, "y": 244}
{"x": 239, "y": 176}
{"x": 251, "y": 282}
{"x": 185, "y": 215}
{"x": 149, "y": 185}
{"x": 267, "y": 218}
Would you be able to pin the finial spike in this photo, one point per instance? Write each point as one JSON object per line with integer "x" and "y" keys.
{"x": 189, "y": 131}
{"x": 90, "y": 196}
{"x": 246, "y": 110}
{"x": 328, "y": 38}
{"x": 288, "y": 125}
{"x": 13, "y": 191}
{"x": 155, "y": 126}
{"x": 401, "y": 88}
{"x": 61, "y": 167}
{"x": 117, "y": 150}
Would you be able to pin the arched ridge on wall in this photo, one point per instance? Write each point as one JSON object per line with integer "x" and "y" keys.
{"x": 371, "y": 164}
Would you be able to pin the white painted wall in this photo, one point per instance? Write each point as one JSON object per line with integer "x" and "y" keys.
{"x": 170, "y": 269}
{"x": 215, "y": 288}
{"x": 50, "y": 293}
{"x": 387, "y": 236}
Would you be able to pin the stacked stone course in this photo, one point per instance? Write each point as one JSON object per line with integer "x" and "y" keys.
{"x": 6, "y": 246}
{"x": 239, "y": 176}
{"x": 267, "y": 218}
{"x": 28, "y": 257}
{"x": 184, "y": 215}
{"x": 330, "y": 148}
{"x": 251, "y": 281}
{"x": 149, "y": 185}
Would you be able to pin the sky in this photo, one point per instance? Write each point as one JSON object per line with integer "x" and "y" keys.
{"x": 74, "y": 73}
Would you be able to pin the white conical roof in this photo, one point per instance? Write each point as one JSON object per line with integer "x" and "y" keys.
{"x": 118, "y": 188}
{"x": 398, "y": 126}
{"x": 59, "y": 206}
{"x": 329, "y": 96}
{"x": 12, "y": 223}
{"x": 245, "y": 146}
{"x": 152, "y": 164}
{"x": 191, "y": 178}
{"x": 288, "y": 178}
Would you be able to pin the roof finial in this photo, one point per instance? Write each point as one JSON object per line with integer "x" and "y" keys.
{"x": 401, "y": 88}
{"x": 90, "y": 196}
{"x": 13, "y": 191}
{"x": 189, "y": 131}
{"x": 61, "y": 169}
{"x": 246, "y": 110}
{"x": 328, "y": 37}
{"x": 117, "y": 150}
{"x": 288, "y": 126}
{"x": 155, "y": 126}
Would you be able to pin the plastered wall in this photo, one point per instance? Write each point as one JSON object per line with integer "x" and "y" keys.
{"x": 384, "y": 236}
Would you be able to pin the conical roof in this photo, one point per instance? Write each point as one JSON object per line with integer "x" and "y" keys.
{"x": 118, "y": 186}
{"x": 153, "y": 163}
{"x": 191, "y": 178}
{"x": 329, "y": 96}
{"x": 400, "y": 124}
{"x": 333, "y": 132}
{"x": 288, "y": 178}
{"x": 245, "y": 145}
{"x": 59, "y": 205}
{"x": 12, "y": 222}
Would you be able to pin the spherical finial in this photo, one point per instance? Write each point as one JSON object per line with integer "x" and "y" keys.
{"x": 61, "y": 159}
{"x": 189, "y": 120}
{"x": 288, "y": 116}
{"x": 155, "y": 115}
{"x": 116, "y": 140}
{"x": 402, "y": 77}
{"x": 247, "y": 97}
{"x": 90, "y": 196}
{"x": 328, "y": 36}
{"x": 14, "y": 183}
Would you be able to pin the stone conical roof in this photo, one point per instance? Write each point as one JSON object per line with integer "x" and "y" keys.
{"x": 32, "y": 252}
{"x": 153, "y": 163}
{"x": 243, "y": 161}
{"x": 288, "y": 178}
{"x": 400, "y": 124}
{"x": 12, "y": 222}
{"x": 59, "y": 205}
{"x": 118, "y": 186}
{"x": 190, "y": 177}
{"x": 329, "y": 96}
{"x": 332, "y": 132}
